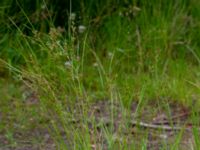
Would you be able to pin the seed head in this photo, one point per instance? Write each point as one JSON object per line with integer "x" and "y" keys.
{"x": 81, "y": 28}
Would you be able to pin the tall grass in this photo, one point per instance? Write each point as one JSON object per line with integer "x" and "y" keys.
{"x": 130, "y": 51}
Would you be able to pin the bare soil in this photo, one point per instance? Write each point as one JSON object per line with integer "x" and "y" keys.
{"x": 123, "y": 125}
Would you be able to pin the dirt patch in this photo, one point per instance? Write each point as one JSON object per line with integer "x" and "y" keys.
{"x": 35, "y": 140}
{"x": 158, "y": 128}
{"x": 154, "y": 126}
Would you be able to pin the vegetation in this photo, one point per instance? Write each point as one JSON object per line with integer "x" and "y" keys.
{"x": 75, "y": 74}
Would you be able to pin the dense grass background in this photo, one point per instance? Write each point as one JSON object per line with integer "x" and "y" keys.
{"x": 135, "y": 50}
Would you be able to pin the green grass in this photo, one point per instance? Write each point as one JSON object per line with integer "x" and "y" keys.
{"x": 140, "y": 51}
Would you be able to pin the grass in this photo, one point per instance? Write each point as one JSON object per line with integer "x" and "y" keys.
{"x": 52, "y": 77}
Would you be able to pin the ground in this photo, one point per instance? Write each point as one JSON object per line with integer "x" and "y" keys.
{"x": 109, "y": 119}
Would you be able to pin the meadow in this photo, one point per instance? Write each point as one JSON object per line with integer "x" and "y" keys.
{"x": 94, "y": 75}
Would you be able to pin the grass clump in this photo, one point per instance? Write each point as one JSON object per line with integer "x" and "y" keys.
{"x": 81, "y": 83}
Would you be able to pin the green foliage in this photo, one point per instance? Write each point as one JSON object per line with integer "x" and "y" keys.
{"x": 72, "y": 53}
